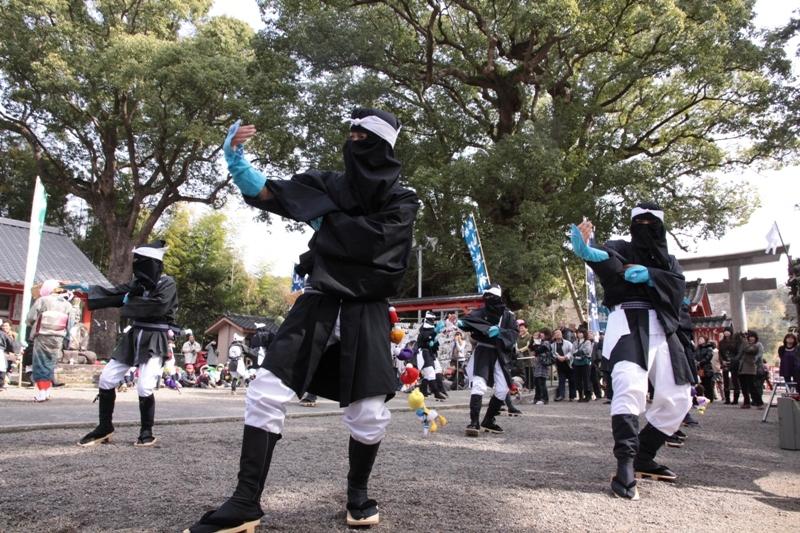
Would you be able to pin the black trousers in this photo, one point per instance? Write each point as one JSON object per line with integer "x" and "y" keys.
{"x": 608, "y": 384}
{"x": 582, "y": 382}
{"x": 708, "y": 385}
{"x": 594, "y": 378}
{"x": 540, "y": 390}
{"x": 750, "y": 391}
{"x": 564, "y": 375}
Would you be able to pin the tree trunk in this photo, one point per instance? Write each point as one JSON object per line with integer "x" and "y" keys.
{"x": 105, "y": 322}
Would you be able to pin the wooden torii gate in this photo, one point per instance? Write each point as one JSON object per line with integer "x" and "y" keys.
{"x": 735, "y": 286}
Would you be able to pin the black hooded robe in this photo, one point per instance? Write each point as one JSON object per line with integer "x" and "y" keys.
{"x": 355, "y": 261}
{"x": 151, "y": 316}
{"x": 489, "y": 350}
{"x": 665, "y": 296}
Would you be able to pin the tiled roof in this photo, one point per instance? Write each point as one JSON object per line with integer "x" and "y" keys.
{"x": 59, "y": 257}
{"x": 695, "y": 291}
{"x": 246, "y": 322}
{"x": 721, "y": 321}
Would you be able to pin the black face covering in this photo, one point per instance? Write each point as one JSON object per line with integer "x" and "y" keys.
{"x": 147, "y": 270}
{"x": 370, "y": 165}
{"x": 650, "y": 242}
{"x": 494, "y": 307}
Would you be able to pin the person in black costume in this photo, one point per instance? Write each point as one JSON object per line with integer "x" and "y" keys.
{"x": 335, "y": 339}
{"x": 494, "y": 332}
{"x": 427, "y": 361}
{"x": 644, "y": 287}
{"x": 149, "y": 302}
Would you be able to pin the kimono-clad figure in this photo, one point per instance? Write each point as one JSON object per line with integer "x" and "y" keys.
{"x": 644, "y": 287}
{"x": 494, "y": 334}
{"x": 335, "y": 341}
{"x": 149, "y": 303}
{"x": 48, "y": 319}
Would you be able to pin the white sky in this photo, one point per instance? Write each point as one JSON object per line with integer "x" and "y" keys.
{"x": 779, "y": 191}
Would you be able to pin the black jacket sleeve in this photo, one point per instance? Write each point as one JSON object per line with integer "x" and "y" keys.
{"x": 102, "y": 297}
{"x": 302, "y": 198}
{"x": 158, "y": 304}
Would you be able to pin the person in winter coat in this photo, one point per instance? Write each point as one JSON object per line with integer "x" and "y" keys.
{"x": 562, "y": 353}
{"x": 582, "y": 365}
{"x": 728, "y": 354}
{"x": 752, "y": 360}
{"x": 790, "y": 359}
{"x": 703, "y": 355}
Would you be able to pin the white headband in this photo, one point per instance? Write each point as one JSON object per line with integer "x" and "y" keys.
{"x": 153, "y": 253}
{"x": 497, "y": 291}
{"x": 378, "y": 126}
{"x": 640, "y": 211}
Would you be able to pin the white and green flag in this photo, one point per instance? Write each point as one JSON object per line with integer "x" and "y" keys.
{"x": 38, "y": 211}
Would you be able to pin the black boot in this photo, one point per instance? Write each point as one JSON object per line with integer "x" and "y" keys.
{"x": 735, "y": 398}
{"x": 474, "y": 428}
{"x": 489, "y": 425}
{"x": 438, "y": 392}
{"x": 625, "y": 429}
{"x": 440, "y": 384}
{"x": 104, "y": 430}
{"x": 244, "y": 506}
{"x": 423, "y": 388}
{"x": 650, "y": 440}
{"x": 361, "y": 511}
{"x": 512, "y": 411}
{"x": 147, "y": 412}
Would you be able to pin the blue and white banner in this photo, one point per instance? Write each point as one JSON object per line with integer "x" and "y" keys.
{"x": 298, "y": 282}
{"x": 470, "y": 232}
{"x": 594, "y": 312}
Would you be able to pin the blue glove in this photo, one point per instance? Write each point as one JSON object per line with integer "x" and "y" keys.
{"x": 432, "y": 343}
{"x": 125, "y": 298}
{"x": 638, "y": 274}
{"x": 249, "y": 180}
{"x": 439, "y": 327}
{"x": 460, "y": 323}
{"x": 583, "y": 250}
{"x": 494, "y": 331}
{"x": 77, "y": 286}
{"x": 315, "y": 223}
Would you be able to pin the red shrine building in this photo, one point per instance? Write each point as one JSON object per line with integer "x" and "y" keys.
{"x": 59, "y": 258}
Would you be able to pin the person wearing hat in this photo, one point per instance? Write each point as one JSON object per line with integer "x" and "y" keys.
{"x": 236, "y": 352}
{"x": 149, "y": 303}
{"x": 494, "y": 331}
{"x": 427, "y": 359}
{"x": 48, "y": 320}
{"x": 644, "y": 287}
{"x": 335, "y": 339}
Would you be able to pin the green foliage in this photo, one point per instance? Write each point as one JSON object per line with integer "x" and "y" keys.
{"x": 17, "y": 178}
{"x": 210, "y": 277}
{"x": 534, "y": 114}
{"x": 128, "y": 103}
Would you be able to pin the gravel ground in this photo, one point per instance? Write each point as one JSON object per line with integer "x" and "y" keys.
{"x": 549, "y": 472}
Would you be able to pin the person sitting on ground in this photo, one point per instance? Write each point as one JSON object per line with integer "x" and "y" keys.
{"x": 189, "y": 379}
{"x": 203, "y": 378}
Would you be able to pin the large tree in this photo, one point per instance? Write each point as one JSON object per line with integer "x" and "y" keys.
{"x": 535, "y": 113}
{"x": 124, "y": 104}
{"x": 209, "y": 273}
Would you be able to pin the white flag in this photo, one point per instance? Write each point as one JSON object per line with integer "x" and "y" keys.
{"x": 38, "y": 211}
{"x": 773, "y": 239}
